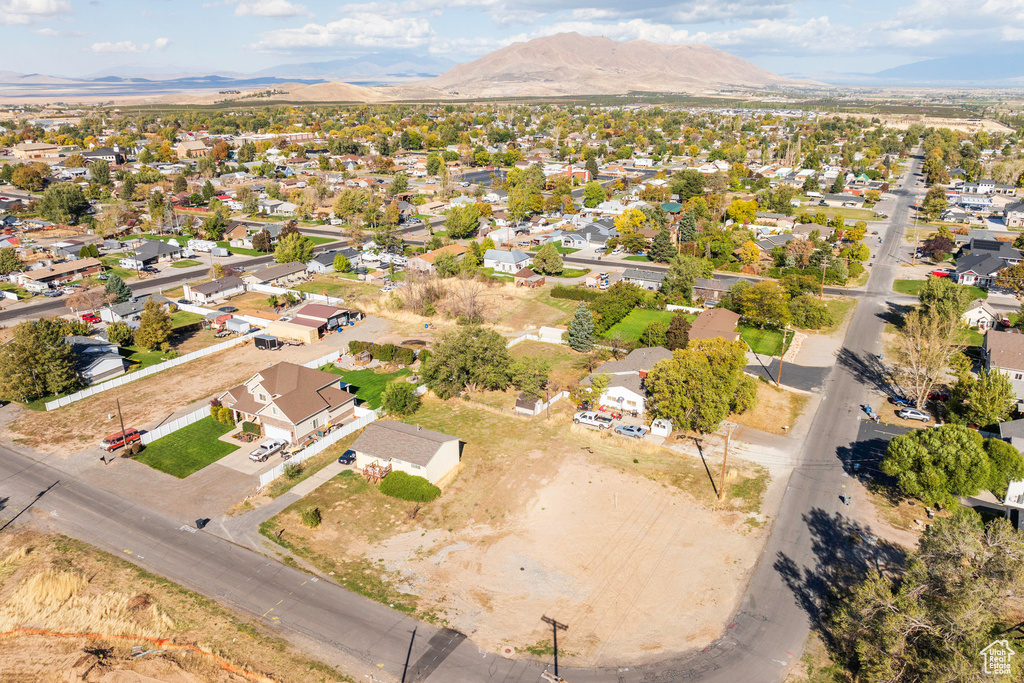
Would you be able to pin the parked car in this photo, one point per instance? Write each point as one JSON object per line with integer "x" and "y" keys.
{"x": 583, "y": 406}
{"x": 634, "y": 431}
{"x": 939, "y": 395}
{"x": 222, "y": 334}
{"x": 347, "y": 458}
{"x": 227, "y": 309}
{"x": 52, "y": 293}
{"x": 184, "y": 301}
{"x": 914, "y": 414}
{"x": 902, "y": 402}
{"x": 267, "y": 449}
{"x": 90, "y": 318}
{"x": 120, "y": 439}
{"x": 592, "y": 419}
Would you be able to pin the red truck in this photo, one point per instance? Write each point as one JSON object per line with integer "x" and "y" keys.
{"x": 120, "y": 439}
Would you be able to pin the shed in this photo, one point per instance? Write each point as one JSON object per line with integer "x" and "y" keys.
{"x": 526, "y": 405}
{"x": 304, "y": 331}
{"x": 237, "y": 325}
{"x": 267, "y": 343}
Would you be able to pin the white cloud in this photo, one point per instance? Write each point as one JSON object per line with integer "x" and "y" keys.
{"x": 269, "y": 8}
{"x": 20, "y": 12}
{"x": 161, "y": 43}
{"x": 123, "y": 47}
{"x": 358, "y": 30}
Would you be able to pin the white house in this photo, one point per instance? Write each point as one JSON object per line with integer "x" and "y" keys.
{"x": 625, "y": 389}
{"x": 96, "y": 359}
{"x": 979, "y": 314}
{"x": 214, "y": 290}
{"x": 407, "y": 448}
{"x": 510, "y": 262}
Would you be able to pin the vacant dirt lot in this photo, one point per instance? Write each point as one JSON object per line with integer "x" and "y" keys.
{"x": 622, "y": 540}
{"x": 63, "y": 586}
{"x": 153, "y": 399}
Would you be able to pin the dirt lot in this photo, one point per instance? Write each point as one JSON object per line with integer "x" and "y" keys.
{"x": 155, "y": 398}
{"x": 623, "y": 540}
{"x": 59, "y": 585}
{"x": 775, "y": 409}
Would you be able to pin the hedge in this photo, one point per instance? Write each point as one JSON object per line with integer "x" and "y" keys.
{"x": 251, "y": 428}
{"x": 409, "y": 487}
{"x": 574, "y": 293}
{"x": 387, "y": 353}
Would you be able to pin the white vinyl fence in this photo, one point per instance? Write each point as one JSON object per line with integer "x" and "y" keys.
{"x": 323, "y": 360}
{"x": 319, "y": 446}
{"x": 139, "y": 374}
{"x": 554, "y": 399}
{"x": 323, "y": 298}
{"x": 175, "y": 425}
{"x": 268, "y": 289}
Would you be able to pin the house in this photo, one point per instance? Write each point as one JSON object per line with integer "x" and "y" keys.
{"x": 528, "y": 278}
{"x": 328, "y": 317}
{"x": 644, "y": 279}
{"x": 280, "y": 274}
{"x": 112, "y": 155}
{"x": 150, "y": 252}
{"x": 509, "y": 262}
{"x": 713, "y": 289}
{"x": 997, "y": 248}
{"x": 1013, "y": 215}
{"x": 771, "y": 241}
{"x": 59, "y": 273}
{"x": 713, "y": 323}
{"x": 35, "y": 151}
{"x": 191, "y": 149}
{"x": 1004, "y": 351}
{"x": 129, "y": 311}
{"x": 625, "y": 389}
{"x": 424, "y": 263}
{"x": 979, "y": 314}
{"x": 96, "y": 359}
{"x": 592, "y": 235}
{"x": 214, "y": 290}
{"x": 399, "y": 447}
{"x": 322, "y": 262}
{"x": 978, "y": 269}
{"x": 290, "y": 401}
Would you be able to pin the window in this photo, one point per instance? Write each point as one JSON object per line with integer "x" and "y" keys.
{"x": 415, "y": 466}
{"x": 1018, "y": 376}
{"x": 262, "y": 397}
{"x": 316, "y": 422}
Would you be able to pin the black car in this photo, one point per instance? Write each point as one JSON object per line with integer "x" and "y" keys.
{"x": 227, "y": 309}
{"x": 347, "y": 458}
{"x": 184, "y": 301}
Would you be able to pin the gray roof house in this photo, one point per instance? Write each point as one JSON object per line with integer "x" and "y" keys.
{"x": 129, "y": 311}
{"x": 96, "y": 359}
{"x": 389, "y": 446}
{"x": 214, "y": 290}
{"x": 277, "y": 274}
{"x": 645, "y": 279}
{"x": 626, "y": 377}
{"x": 510, "y": 262}
{"x": 978, "y": 269}
{"x": 1004, "y": 351}
{"x": 322, "y": 262}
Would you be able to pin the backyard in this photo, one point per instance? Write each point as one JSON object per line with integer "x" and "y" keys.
{"x": 338, "y": 285}
{"x": 494, "y": 530}
{"x": 369, "y": 385}
{"x": 632, "y": 326}
{"x": 188, "y": 450}
{"x": 767, "y": 342}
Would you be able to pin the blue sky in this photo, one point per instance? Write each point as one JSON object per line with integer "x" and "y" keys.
{"x": 80, "y": 37}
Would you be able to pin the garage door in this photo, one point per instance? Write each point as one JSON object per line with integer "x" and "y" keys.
{"x": 277, "y": 433}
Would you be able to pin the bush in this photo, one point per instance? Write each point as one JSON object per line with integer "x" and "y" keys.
{"x": 409, "y": 487}
{"x": 292, "y": 470}
{"x": 574, "y": 293}
{"x": 251, "y": 428}
{"x": 311, "y": 517}
{"x": 399, "y": 398}
{"x": 404, "y": 355}
{"x": 809, "y": 313}
{"x": 423, "y": 356}
{"x": 120, "y": 333}
{"x": 385, "y": 353}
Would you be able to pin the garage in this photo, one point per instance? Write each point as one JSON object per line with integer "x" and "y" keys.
{"x": 274, "y": 432}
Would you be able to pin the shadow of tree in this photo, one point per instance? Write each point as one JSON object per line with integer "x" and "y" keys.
{"x": 868, "y": 369}
{"x": 843, "y": 552}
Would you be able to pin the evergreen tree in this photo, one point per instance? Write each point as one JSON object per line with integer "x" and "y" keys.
{"x": 839, "y": 185}
{"x": 662, "y": 249}
{"x": 592, "y": 167}
{"x": 678, "y": 334}
{"x": 117, "y": 290}
{"x": 155, "y": 326}
{"x": 37, "y": 361}
{"x": 688, "y": 227}
{"x": 547, "y": 260}
{"x": 581, "y": 330}
{"x": 208, "y": 192}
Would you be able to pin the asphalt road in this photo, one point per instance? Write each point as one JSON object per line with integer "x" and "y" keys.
{"x": 765, "y": 636}
{"x": 801, "y": 377}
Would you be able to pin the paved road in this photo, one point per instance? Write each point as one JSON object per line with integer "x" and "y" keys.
{"x": 797, "y": 376}
{"x": 765, "y": 636}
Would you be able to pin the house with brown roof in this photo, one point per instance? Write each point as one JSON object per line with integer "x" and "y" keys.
{"x": 1004, "y": 351}
{"x": 35, "y": 151}
{"x": 59, "y": 273}
{"x": 626, "y": 378}
{"x": 191, "y": 149}
{"x": 716, "y": 322}
{"x": 390, "y": 446}
{"x": 281, "y": 274}
{"x": 424, "y": 263}
{"x": 290, "y": 401}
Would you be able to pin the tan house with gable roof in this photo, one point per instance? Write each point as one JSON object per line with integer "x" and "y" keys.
{"x": 291, "y": 401}
{"x": 390, "y": 446}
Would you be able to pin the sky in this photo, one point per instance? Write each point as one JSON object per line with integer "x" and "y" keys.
{"x": 86, "y": 37}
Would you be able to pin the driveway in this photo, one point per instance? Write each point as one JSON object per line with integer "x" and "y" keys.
{"x": 800, "y": 377}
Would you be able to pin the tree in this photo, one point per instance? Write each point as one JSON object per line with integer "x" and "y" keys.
{"x": 180, "y": 184}
{"x": 341, "y": 264}
{"x": 942, "y": 296}
{"x": 392, "y": 214}
{"x": 809, "y": 313}
{"x": 9, "y": 261}
{"x": 688, "y": 227}
{"x": 154, "y": 326}
{"x": 924, "y": 345}
{"x": 654, "y": 334}
{"x": 593, "y": 194}
{"x": 983, "y": 401}
{"x": 63, "y": 203}
{"x": 683, "y": 273}
{"x": 938, "y": 465}
{"x": 1005, "y": 464}
{"x": 764, "y": 304}
{"x": 1011, "y": 278}
{"x": 839, "y": 184}
{"x": 27, "y": 178}
{"x": 547, "y": 260}
{"x": 742, "y": 211}
{"x": 591, "y": 166}
{"x": 698, "y": 387}
{"x": 121, "y": 333}
{"x": 530, "y": 375}
{"x": 262, "y": 241}
{"x": 462, "y": 221}
{"x": 688, "y": 184}
{"x": 811, "y": 184}
{"x": 446, "y": 265}
{"x": 128, "y": 188}
{"x": 471, "y": 359}
{"x": 87, "y": 299}
{"x": 662, "y": 250}
{"x": 99, "y": 172}
{"x": 37, "y": 361}
{"x": 934, "y": 203}
{"x": 400, "y": 183}
{"x": 581, "y": 330}
{"x": 677, "y": 336}
{"x": 750, "y": 254}
{"x": 117, "y": 291}
{"x": 399, "y": 398}
{"x": 293, "y": 248}
{"x": 207, "y": 191}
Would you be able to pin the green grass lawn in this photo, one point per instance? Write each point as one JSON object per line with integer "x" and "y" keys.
{"x": 643, "y": 258}
{"x": 913, "y": 288}
{"x": 182, "y": 318}
{"x": 573, "y": 272}
{"x": 186, "y": 263}
{"x": 975, "y": 337}
{"x": 559, "y": 247}
{"x": 368, "y": 384}
{"x": 766, "y": 342}
{"x": 141, "y": 358}
{"x": 188, "y": 450}
{"x": 18, "y": 291}
{"x": 240, "y": 250}
{"x": 316, "y": 239}
{"x": 630, "y": 327}
{"x": 162, "y": 238}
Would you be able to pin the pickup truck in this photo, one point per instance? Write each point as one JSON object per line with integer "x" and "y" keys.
{"x": 592, "y": 419}
{"x": 266, "y": 449}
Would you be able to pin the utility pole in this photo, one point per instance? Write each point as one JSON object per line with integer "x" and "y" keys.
{"x": 913, "y": 257}
{"x": 725, "y": 459}
{"x": 555, "y": 626}
{"x": 124, "y": 436}
{"x": 821, "y": 292}
{"x": 778, "y": 379}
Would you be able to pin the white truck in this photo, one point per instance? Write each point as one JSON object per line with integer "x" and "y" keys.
{"x": 592, "y": 419}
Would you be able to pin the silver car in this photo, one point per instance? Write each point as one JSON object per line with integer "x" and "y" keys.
{"x": 914, "y": 414}
{"x": 634, "y": 431}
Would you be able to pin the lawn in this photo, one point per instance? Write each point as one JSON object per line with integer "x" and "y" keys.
{"x": 630, "y": 328}
{"x": 316, "y": 239}
{"x": 10, "y": 287}
{"x": 766, "y": 342}
{"x": 566, "y": 365}
{"x": 337, "y": 285}
{"x": 369, "y": 385}
{"x": 240, "y": 250}
{"x": 185, "y": 263}
{"x": 188, "y": 450}
{"x": 974, "y": 337}
{"x": 913, "y": 288}
{"x": 141, "y": 358}
{"x": 561, "y": 250}
{"x": 638, "y": 257}
{"x": 183, "y": 318}
{"x": 572, "y": 272}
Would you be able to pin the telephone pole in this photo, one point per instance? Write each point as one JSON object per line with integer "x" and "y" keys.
{"x": 721, "y": 483}
{"x": 555, "y": 626}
